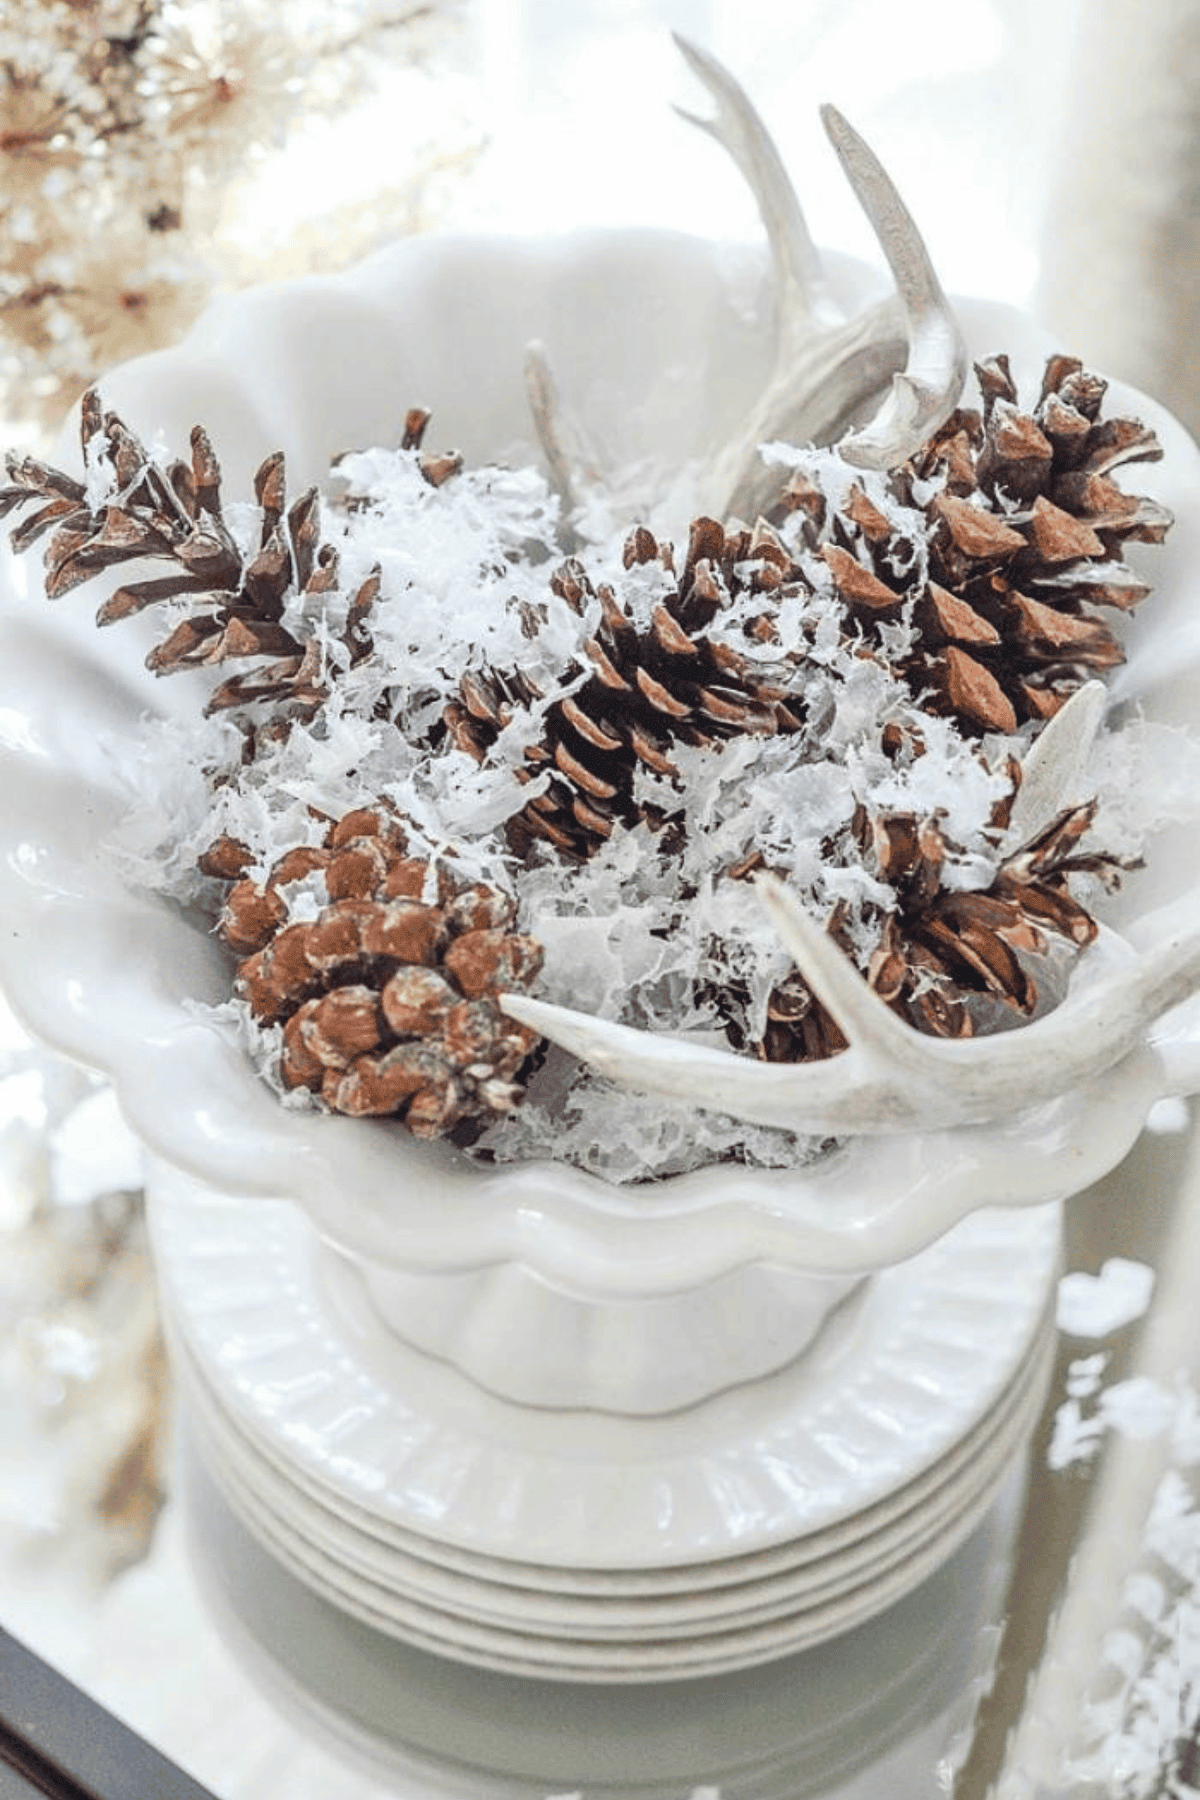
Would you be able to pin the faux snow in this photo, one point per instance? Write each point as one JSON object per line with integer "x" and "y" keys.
{"x": 645, "y": 931}
{"x": 1092, "y": 1306}
{"x": 1139, "y": 1725}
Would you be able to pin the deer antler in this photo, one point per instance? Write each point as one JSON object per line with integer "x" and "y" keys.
{"x": 827, "y": 369}
{"x": 803, "y": 293}
{"x": 892, "y": 1077}
{"x": 927, "y": 391}
{"x": 572, "y": 461}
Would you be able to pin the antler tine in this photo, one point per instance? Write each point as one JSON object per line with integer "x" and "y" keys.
{"x": 1053, "y": 768}
{"x": 608, "y": 1047}
{"x": 974, "y": 1079}
{"x": 571, "y": 461}
{"x": 881, "y": 1083}
{"x": 940, "y": 1082}
{"x": 825, "y": 369}
{"x": 865, "y": 1021}
{"x": 545, "y": 407}
{"x": 844, "y": 1094}
{"x": 738, "y": 128}
{"x": 924, "y": 395}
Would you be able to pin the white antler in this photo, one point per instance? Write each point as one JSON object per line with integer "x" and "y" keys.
{"x": 827, "y": 369}
{"x": 572, "y": 461}
{"x": 892, "y": 1077}
{"x": 1052, "y": 769}
{"x": 925, "y": 394}
{"x": 802, "y": 293}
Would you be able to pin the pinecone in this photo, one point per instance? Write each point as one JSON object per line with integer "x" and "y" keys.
{"x": 1026, "y": 541}
{"x": 174, "y": 515}
{"x": 387, "y": 996}
{"x": 943, "y": 954}
{"x": 944, "y": 950}
{"x": 649, "y": 688}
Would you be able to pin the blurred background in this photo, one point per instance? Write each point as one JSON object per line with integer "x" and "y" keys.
{"x": 154, "y": 153}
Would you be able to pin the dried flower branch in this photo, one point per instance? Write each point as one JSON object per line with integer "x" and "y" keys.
{"x": 125, "y": 123}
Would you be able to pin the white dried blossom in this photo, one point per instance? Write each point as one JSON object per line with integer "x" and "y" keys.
{"x": 126, "y": 125}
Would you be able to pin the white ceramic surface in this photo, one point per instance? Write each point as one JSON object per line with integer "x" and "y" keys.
{"x": 743, "y": 1644}
{"x": 795, "y": 1727}
{"x": 400, "y": 1589}
{"x": 823, "y": 1563}
{"x": 677, "y": 1588}
{"x": 658, "y": 341}
{"x": 281, "y": 1331}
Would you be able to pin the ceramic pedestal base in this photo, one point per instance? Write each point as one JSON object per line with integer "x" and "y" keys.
{"x": 512, "y": 1333}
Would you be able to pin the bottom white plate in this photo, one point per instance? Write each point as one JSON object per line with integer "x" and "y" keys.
{"x": 887, "y": 1704}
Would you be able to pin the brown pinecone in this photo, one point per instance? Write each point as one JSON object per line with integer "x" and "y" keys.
{"x": 174, "y": 515}
{"x": 387, "y": 998}
{"x": 798, "y": 1027}
{"x": 943, "y": 952}
{"x": 1026, "y": 542}
{"x": 649, "y": 688}
{"x": 943, "y": 949}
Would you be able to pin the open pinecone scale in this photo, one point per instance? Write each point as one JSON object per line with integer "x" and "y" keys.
{"x": 647, "y": 689}
{"x": 1028, "y": 531}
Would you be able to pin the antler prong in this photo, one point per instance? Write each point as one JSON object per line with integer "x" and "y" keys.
{"x": 863, "y": 1019}
{"x": 1053, "y": 767}
{"x": 826, "y": 369}
{"x": 573, "y": 462}
{"x": 893, "y": 1078}
{"x": 800, "y": 280}
{"x": 926, "y": 392}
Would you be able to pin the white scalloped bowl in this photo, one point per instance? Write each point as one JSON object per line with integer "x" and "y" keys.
{"x": 542, "y": 1283}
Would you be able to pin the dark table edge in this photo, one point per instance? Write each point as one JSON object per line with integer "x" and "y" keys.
{"x": 55, "y": 1741}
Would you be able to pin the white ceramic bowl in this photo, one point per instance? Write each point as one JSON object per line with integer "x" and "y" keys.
{"x": 544, "y": 1283}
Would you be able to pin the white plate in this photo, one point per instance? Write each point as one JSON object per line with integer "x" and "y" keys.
{"x": 285, "y": 1333}
{"x": 251, "y": 1485}
{"x": 516, "y": 1652}
{"x": 403, "y": 1596}
{"x": 290, "y": 1483}
{"x": 890, "y": 1694}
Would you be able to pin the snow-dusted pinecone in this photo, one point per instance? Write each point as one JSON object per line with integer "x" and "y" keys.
{"x": 1026, "y": 532}
{"x": 386, "y": 982}
{"x": 234, "y": 603}
{"x": 942, "y": 952}
{"x": 651, "y": 687}
{"x": 944, "y": 949}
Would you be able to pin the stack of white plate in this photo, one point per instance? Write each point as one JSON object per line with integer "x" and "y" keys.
{"x": 591, "y": 1547}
